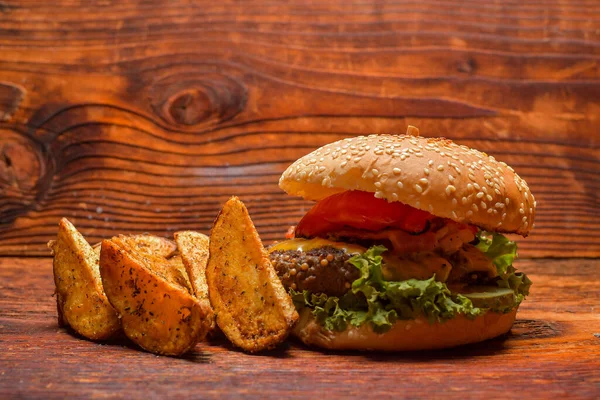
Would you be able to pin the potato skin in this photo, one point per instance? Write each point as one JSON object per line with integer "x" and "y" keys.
{"x": 158, "y": 315}
{"x": 80, "y": 298}
{"x": 253, "y": 309}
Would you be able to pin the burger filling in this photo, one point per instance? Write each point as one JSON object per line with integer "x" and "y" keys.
{"x": 354, "y": 259}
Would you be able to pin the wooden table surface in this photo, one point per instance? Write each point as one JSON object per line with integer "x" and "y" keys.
{"x": 145, "y": 116}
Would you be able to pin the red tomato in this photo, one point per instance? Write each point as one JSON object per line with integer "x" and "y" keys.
{"x": 360, "y": 210}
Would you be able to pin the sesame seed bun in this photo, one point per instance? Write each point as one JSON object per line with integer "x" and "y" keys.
{"x": 416, "y": 334}
{"x": 431, "y": 174}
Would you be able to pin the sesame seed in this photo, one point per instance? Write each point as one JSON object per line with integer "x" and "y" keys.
{"x": 357, "y": 159}
{"x": 424, "y": 181}
{"x": 454, "y": 215}
{"x": 321, "y": 168}
{"x": 375, "y": 171}
{"x": 524, "y": 219}
{"x": 490, "y": 198}
{"x": 477, "y": 186}
{"x": 450, "y": 189}
{"x": 394, "y": 197}
{"x": 426, "y": 170}
{"x": 464, "y": 200}
{"x": 499, "y": 205}
{"x": 497, "y": 192}
{"x": 535, "y": 204}
{"x": 450, "y": 178}
{"x": 469, "y": 187}
{"x": 503, "y": 216}
{"x": 484, "y": 189}
{"x": 344, "y": 163}
{"x": 397, "y": 171}
{"x": 483, "y": 205}
{"x": 469, "y": 213}
{"x": 378, "y": 195}
{"x": 430, "y": 163}
{"x": 440, "y": 167}
{"x": 378, "y": 185}
{"x": 454, "y": 202}
{"x": 472, "y": 177}
{"x": 418, "y": 188}
{"x": 521, "y": 211}
{"x": 507, "y": 201}
{"x": 491, "y": 210}
{"x": 378, "y": 152}
{"x": 479, "y": 195}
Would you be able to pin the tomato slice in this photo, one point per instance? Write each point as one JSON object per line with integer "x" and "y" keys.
{"x": 360, "y": 210}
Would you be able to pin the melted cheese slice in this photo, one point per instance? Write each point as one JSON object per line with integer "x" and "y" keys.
{"x": 315, "y": 243}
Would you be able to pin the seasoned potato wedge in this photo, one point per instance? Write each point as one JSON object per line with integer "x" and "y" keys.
{"x": 160, "y": 247}
{"x": 193, "y": 248}
{"x": 157, "y": 312}
{"x": 252, "y": 307}
{"x": 81, "y": 301}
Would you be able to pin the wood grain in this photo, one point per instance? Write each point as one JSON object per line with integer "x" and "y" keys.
{"x": 147, "y": 116}
{"x": 552, "y": 351}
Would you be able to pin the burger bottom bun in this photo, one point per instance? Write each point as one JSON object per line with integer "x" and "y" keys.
{"x": 416, "y": 334}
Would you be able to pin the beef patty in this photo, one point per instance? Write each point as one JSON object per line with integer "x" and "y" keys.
{"x": 321, "y": 270}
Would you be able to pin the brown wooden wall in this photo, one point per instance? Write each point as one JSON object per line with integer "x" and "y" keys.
{"x": 145, "y": 116}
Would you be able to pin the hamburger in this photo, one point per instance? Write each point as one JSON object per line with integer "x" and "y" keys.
{"x": 405, "y": 247}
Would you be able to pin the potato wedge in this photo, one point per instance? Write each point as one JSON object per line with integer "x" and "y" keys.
{"x": 252, "y": 307}
{"x": 157, "y": 313}
{"x": 193, "y": 248}
{"x": 161, "y": 247}
{"x": 80, "y": 298}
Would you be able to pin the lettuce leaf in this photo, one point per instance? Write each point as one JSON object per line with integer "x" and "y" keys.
{"x": 497, "y": 248}
{"x": 381, "y": 303}
{"x": 503, "y": 252}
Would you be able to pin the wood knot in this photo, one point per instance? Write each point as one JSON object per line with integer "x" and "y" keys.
{"x": 10, "y": 99}
{"x": 467, "y": 66}
{"x": 22, "y": 168}
{"x": 208, "y": 99}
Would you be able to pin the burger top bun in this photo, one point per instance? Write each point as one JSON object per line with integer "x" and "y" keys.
{"x": 431, "y": 174}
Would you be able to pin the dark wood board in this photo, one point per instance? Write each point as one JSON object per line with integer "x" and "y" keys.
{"x": 131, "y": 116}
{"x": 553, "y": 351}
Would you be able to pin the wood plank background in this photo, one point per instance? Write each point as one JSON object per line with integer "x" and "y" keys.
{"x": 145, "y": 116}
